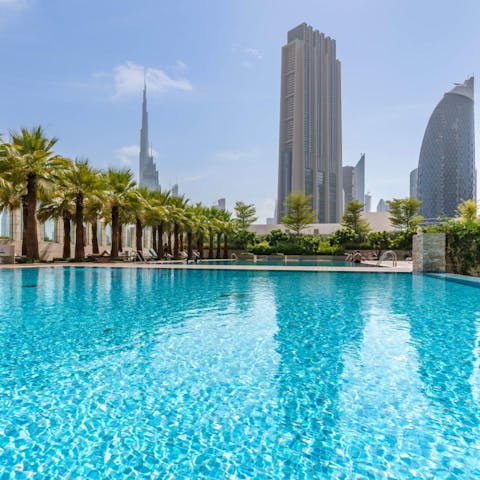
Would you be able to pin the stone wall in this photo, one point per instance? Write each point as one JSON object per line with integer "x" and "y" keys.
{"x": 428, "y": 252}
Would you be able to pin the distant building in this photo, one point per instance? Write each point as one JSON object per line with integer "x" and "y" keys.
{"x": 368, "y": 203}
{"x": 174, "y": 190}
{"x": 354, "y": 182}
{"x": 382, "y": 206}
{"x": 446, "y": 167}
{"x": 310, "y": 144}
{"x": 4, "y": 223}
{"x": 270, "y": 221}
{"x": 413, "y": 183}
{"x": 147, "y": 170}
{"x": 222, "y": 204}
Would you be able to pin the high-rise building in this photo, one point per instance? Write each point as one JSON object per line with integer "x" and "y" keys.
{"x": 446, "y": 167}
{"x": 354, "y": 182}
{"x": 174, "y": 190}
{"x": 222, "y": 204}
{"x": 310, "y": 143}
{"x": 382, "y": 206}
{"x": 413, "y": 183}
{"x": 147, "y": 170}
{"x": 368, "y": 203}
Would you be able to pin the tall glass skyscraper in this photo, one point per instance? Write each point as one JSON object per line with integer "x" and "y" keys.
{"x": 147, "y": 170}
{"x": 354, "y": 182}
{"x": 446, "y": 168}
{"x": 310, "y": 146}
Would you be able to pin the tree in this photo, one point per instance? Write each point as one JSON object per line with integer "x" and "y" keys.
{"x": 467, "y": 211}
{"x": 245, "y": 214}
{"x": 404, "y": 213}
{"x": 352, "y": 218}
{"x": 59, "y": 204}
{"x": 31, "y": 153}
{"x": 120, "y": 188}
{"x": 300, "y": 214}
{"x": 81, "y": 181}
{"x": 380, "y": 241}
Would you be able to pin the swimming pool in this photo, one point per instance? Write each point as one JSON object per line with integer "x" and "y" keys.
{"x": 125, "y": 373}
{"x": 282, "y": 263}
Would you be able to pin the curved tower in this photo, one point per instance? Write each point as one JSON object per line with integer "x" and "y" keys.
{"x": 446, "y": 167}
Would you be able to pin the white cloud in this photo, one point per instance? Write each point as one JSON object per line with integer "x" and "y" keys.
{"x": 248, "y": 55}
{"x": 128, "y": 79}
{"x": 253, "y": 52}
{"x": 229, "y": 156}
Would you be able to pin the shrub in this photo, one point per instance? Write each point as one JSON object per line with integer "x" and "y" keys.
{"x": 262, "y": 248}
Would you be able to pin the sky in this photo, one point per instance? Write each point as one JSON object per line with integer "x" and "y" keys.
{"x": 76, "y": 67}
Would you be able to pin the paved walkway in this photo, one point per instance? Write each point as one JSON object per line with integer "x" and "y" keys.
{"x": 369, "y": 267}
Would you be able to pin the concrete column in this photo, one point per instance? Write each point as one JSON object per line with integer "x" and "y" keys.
{"x": 429, "y": 252}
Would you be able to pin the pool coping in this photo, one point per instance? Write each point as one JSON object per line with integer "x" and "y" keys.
{"x": 402, "y": 268}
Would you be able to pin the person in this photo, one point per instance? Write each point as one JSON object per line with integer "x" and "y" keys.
{"x": 357, "y": 257}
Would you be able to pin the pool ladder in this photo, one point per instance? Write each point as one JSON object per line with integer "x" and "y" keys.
{"x": 386, "y": 254}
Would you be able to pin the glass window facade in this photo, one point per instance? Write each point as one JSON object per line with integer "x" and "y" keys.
{"x": 446, "y": 168}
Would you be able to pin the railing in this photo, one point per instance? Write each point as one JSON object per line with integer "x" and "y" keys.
{"x": 385, "y": 255}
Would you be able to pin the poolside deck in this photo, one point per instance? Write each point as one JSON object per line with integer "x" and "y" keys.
{"x": 368, "y": 267}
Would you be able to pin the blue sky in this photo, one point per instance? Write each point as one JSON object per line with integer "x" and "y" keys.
{"x": 213, "y": 71}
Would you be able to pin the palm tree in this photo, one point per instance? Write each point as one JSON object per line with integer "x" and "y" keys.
{"x": 31, "y": 153}
{"x": 120, "y": 189}
{"x": 227, "y": 226}
{"x": 81, "y": 181}
{"x": 59, "y": 204}
{"x": 177, "y": 206}
{"x": 12, "y": 190}
{"x": 159, "y": 213}
{"x": 92, "y": 211}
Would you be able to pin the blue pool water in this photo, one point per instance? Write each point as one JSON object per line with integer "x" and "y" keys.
{"x": 282, "y": 263}
{"x": 124, "y": 373}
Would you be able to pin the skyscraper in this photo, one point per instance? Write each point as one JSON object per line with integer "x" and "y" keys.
{"x": 382, "y": 206}
{"x": 446, "y": 167}
{"x": 310, "y": 143}
{"x": 354, "y": 182}
{"x": 147, "y": 170}
{"x": 368, "y": 202}
{"x": 413, "y": 183}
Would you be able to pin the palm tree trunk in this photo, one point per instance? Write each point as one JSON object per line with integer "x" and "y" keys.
{"x": 169, "y": 236}
{"x": 161, "y": 250}
{"x": 120, "y": 243}
{"x": 200, "y": 245}
{"x": 25, "y": 223}
{"x": 176, "y": 241}
{"x": 95, "y": 248}
{"x": 154, "y": 239}
{"x": 190, "y": 244}
{"x": 115, "y": 224}
{"x": 225, "y": 245}
{"x": 210, "y": 244}
{"x": 138, "y": 235}
{"x": 79, "y": 248}
{"x": 219, "y": 244}
{"x": 66, "y": 236}
{"x": 181, "y": 241}
{"x": 32, "y": 236}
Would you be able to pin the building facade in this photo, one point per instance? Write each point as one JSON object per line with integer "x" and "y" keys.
{"x": 310, "y": 140}
{"x": 446, "y": 167}
{"x": 382, "y": 206}
{"x": 413, "y": 183}
{"x": 148, "y": 174}
{"x": 354, "y": 182}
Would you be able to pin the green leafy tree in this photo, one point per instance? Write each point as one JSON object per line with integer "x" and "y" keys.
{"x": 380, "y": 241}
{"x": 467, "y": 211}
{"x": 31, "y": 153}
{"x": 245, "y": 214}
{"x": 300, "y": 213}
{"x": 352, "y": 218}
{"x": 404, "y": 213}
